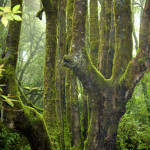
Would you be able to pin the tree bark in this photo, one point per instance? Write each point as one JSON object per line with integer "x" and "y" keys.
{"x": 134, "y": 32}
{"x": 94, "y": 32}
{"x": 105, "y": 29}
{"x": 85, "y": 119}
{"x": 20, "y": 117}
{"x": 49, "y": 97}
{"x": 62, "y": 72}
{"x": 75, "y": 115}
{"x": 69, "y": 11}
{"x": 109, "y": 95}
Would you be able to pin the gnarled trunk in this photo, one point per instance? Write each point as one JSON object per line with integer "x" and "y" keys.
{"x": 18, "y": 116}
{"x": 109, "y": 96}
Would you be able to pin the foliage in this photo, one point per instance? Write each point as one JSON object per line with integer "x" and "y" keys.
{"x": 31, "y": 54}
{"x": 8, "y": 14}
{"x": 12, "y": 140}
{"x": 7, "y": 98}
{"x": 134, "y": 127}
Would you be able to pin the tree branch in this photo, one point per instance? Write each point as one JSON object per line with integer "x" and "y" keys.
{"x": 141, "y": 64}
{"x": 39, "y": 13}
{"x": 91, "y": 78}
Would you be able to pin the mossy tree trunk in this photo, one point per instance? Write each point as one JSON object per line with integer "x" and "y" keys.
{"x": 85, "y": 119}
{"x": 75, "y": 115}
{"x": 3, "y": 3}
{"x": 74, "y": 105}
{"x": 94, "y": 32}
{"x": 111, "y": 50}
{"x": 50, "y": 116}
{"x": 94, "y": 38}
{"x": 134, "y": 30}
{"x": 105, "y": 29}
{"x": 20, "y": 117}
{"x": 69, "y": 11}
{"x": 62, "y": 72}
{"x": 109, "y": 96}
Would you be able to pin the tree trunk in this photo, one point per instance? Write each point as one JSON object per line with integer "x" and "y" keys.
{"x": 134, "y": 31}
{"x": 75, "y": 112}
{"x": 75, "y": 115}
{"x": 18, "y": 116}
{"x": 50, "y": 72}
{"x": 109, "y": 95}
{"x": 94, "y": 32}
{"x": 62, "y": 72}
{"x": 105, "y": 29}
{"x": 111, "y": 51}
{"x": 85, "y": 119}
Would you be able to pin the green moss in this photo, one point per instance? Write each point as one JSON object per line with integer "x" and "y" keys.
{"x": 105, "y": 29}
{"x": 125, "y": 76}
{"x": 94, "y": 33}
{"x": 123, "y": 47}
{"x": 3, "y": 61}
{"x": 142, "y": 59}
{"x": 50, "y": 80}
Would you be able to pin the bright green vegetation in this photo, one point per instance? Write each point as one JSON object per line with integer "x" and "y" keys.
{"x": 68, "y": 80}
{"x": 134, "y": 129}
{"x": 12, "y": 140}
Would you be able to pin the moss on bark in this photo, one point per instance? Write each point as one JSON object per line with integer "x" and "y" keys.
{"x": 23, "y": 118}
{"x": 94, "y": 32}
{"x": 20, "y": 117}
{"x": 123, "y": 36}
{"x": 105, "y": 29}
{"x": 109, "y": 96}
{"x": 50, "y": 73}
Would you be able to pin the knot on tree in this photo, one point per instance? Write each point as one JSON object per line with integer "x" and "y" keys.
{"x": 68, "y": 61}
{"x": 74, "y": 61}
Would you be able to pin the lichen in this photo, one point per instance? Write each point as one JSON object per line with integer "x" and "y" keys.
{"x": 123, "y": 46}
{"x": 94, "y": 33}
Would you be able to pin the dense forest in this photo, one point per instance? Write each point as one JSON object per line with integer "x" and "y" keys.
{"x": 75, "y": 74}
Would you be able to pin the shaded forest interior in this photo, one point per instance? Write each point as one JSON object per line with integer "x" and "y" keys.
{"x": 75, "y": 75}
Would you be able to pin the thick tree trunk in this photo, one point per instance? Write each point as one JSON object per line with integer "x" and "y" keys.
{"x": 50, "y": 72}
{"x": 105, "y": 29}
{"x": 74, "y": 105}
{"x": 75, "y": 115}
{"x": 69, "y": 13}
{"x": 109, "y": 96}
{"x": 62, "y": 72}
{"x": 110, "y": 55}
{"x": 94, "y": 32}
{"x": 18, "y": 116}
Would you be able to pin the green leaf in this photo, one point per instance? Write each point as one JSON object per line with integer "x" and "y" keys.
{"x": 2, "y": 85}
{"x": 27, "y": 88}
{"x": 3, "y": 96}
{"x": 4, "y": 21}
{"x": 1, "y": 68}
{"x": 15, "y": 8}
{"x": 35, "y": 88}
{"x": 6, "y": 9}
{"x": 18, "y": 12}
{"x": 1, "y": 8}
{"x": 17, "y": 18}
{"x": 9, "y": 17}
{"x": 7, "y": 100}
{"x": 1, "y": 13}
